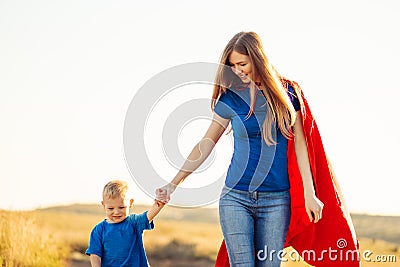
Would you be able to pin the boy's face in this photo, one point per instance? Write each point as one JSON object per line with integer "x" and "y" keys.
{"x": 116, "y": 209}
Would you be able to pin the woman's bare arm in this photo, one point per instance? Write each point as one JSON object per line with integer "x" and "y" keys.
{"x": 199, "y": 154}
{"x": 312, "y": 203}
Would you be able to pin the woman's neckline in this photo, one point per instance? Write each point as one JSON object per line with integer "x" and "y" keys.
{"x": 247, "y": 86}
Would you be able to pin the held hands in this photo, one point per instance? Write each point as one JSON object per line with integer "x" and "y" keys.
{"x": 163, "y": 194}
{"x": 313, "y": 207}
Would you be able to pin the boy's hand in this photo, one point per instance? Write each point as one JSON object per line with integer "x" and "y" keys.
{"x": 159, "y": 203}
{"x": 163, "y": 193}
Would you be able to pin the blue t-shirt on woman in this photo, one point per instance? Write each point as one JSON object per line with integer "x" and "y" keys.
{"x": 255, "y": 166}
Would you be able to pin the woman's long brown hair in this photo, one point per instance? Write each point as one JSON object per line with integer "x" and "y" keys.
{"x": 281, "y": 110}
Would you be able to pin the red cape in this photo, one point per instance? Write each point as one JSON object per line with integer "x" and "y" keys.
{"x": 331, "y": 241}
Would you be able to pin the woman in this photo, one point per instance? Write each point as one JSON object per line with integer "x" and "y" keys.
{"x": 264, "y": 113}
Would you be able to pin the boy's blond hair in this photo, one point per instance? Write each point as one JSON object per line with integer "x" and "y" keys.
{"x": 115, "y": 189}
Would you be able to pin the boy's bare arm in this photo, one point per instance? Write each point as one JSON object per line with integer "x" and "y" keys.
{"x": 95, "y": 260}
{"x": 154, "y": 210}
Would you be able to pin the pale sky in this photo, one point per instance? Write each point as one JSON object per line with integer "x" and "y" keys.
{"x": 69, "y": 70}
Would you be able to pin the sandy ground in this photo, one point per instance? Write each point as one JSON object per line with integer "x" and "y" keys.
{"x": 84, "y": 262}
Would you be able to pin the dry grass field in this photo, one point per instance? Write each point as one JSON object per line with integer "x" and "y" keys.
{"x": 182, "y": 237}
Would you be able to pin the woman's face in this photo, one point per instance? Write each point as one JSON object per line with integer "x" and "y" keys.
{"x": 241, "y": 66}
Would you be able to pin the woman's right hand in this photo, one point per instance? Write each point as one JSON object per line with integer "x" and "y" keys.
{"x": 163, "y": 194}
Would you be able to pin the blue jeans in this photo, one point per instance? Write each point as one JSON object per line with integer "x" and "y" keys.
{"x": 254, "y": 225}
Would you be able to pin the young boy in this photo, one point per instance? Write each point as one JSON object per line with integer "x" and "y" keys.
{"x": 117, "y": 240}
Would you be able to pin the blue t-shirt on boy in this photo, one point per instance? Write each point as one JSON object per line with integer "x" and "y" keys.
{"x": 120, "y": 244}
{"x": 255, "y": 166}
